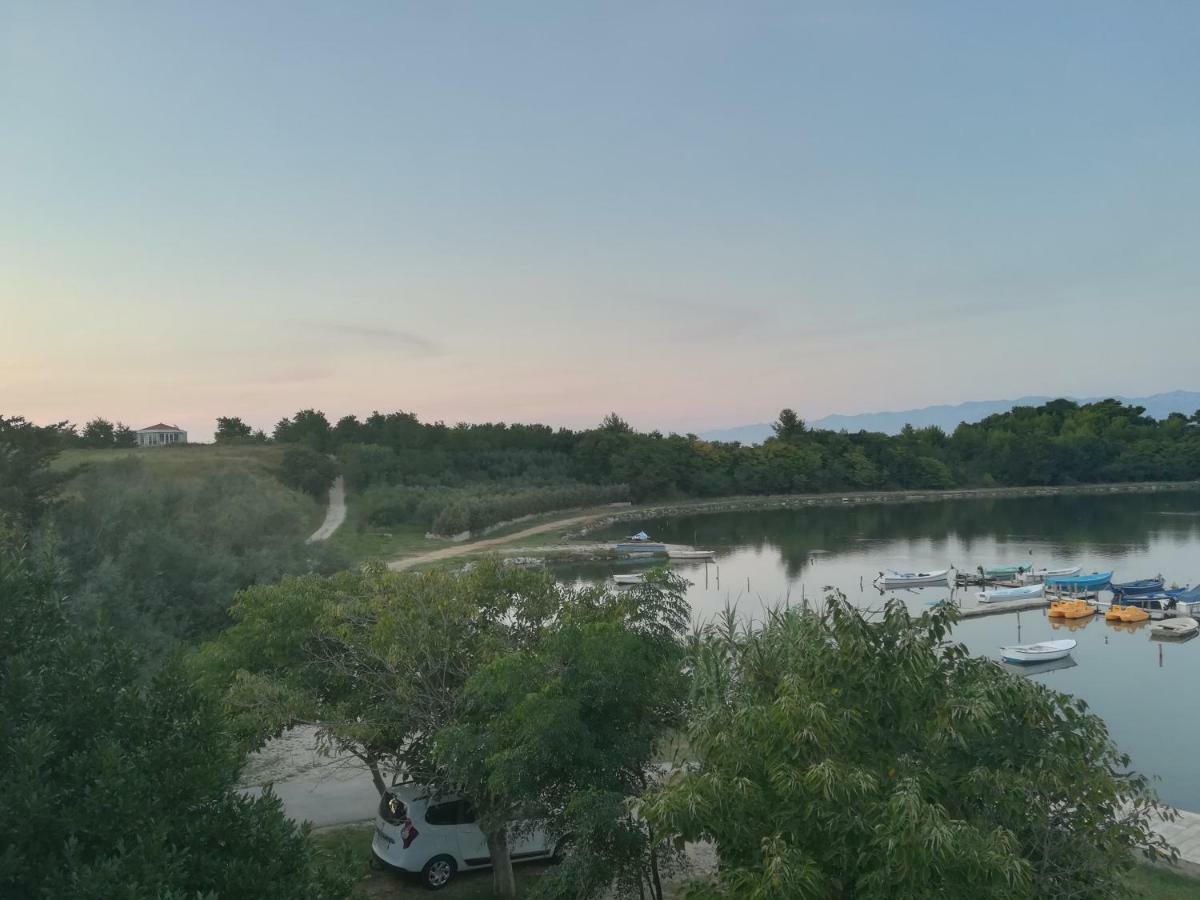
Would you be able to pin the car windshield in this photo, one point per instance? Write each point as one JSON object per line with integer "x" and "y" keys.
{"x": 392, "y": 809}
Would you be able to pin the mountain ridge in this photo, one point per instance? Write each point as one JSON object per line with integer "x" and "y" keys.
{"x": 948, "y": 416}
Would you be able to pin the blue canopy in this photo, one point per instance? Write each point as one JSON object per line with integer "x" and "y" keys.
{"x": 640, "y": 536}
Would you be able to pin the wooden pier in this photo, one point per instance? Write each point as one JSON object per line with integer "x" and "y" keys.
{"x": 996, "y": 609}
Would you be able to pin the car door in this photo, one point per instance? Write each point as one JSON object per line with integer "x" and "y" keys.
{"x": 472, "y": 844}
{"x": 527, "y": 840}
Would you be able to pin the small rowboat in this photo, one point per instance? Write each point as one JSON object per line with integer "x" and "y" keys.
{"x": 1079, "y": 583}
{"x": 1040, "y": 575}
{"x": 1037, "y": 653}
{"x": 634, "y": 578}
{"x": 892, "y": 579}
{"x": 1030, "y": 592}
{"x": 1175, "y": 628}
{"x": 1137, "y": 588}
{"x": 1003, "y": 571}
{"x": 691, "y": 554}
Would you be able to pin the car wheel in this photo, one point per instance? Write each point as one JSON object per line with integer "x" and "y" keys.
{"x": 438, "y": 872}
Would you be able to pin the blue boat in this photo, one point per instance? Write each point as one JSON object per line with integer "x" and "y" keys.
{"x": 1165, "y": 599}
{"x": 1080, "y": 583}
{"x": 1137, "y": 588}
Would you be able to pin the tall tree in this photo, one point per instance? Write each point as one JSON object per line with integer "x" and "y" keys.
{"x": 308, "y": 426}
{"x": 557, "y": 689}
{"x": 836, "y": 755}
{"x": 112, "y": 785}
{"x": 231, "y": 429}
{"x": 789, "y": 425}
{"x": 28, "y": 484}
{"x": 98, "y": 433}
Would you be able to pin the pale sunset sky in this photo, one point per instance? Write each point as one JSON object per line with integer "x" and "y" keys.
{"x": 692, "y": 213}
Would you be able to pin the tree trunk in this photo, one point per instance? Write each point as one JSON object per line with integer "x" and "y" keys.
{"x": 377, "y": 776}
{"x": 502, "y": 871}
{"x": 657, "y": 882}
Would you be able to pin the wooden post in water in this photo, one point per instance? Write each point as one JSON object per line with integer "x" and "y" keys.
{"x": 747, "y": 584}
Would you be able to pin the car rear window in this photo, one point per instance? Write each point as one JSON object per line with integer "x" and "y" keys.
{"x": 392, "y": 809}
{"x": 453, "y": 812}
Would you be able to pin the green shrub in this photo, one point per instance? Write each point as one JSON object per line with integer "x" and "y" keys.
{"x": 307, "y": 470}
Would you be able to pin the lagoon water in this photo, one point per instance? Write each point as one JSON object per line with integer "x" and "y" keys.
{"x": 1145, "y": 689}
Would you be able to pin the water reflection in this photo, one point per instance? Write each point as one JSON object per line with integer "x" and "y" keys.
{"x": 1134, "y": 682}
{"x": 1115, "y": 525}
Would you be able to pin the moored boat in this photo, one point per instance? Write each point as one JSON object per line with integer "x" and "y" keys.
{"x": 893, "y": 579}
{"x": 1183, "y": 627}
{"x": 1070, "y": 584}
{"x": 1137, "y": 588}
{"x": 998, "y": 572}
{"x": 640, "y": 543}
{"x": 1185, "y": 601}
{"x": 691, "y": 554}
{"x": 633, "y": 578}
{"x": 1045, "y": 651}
{"x": 1039, "y": 575}
{"x": 1030, "y": 592}
{"x": 1134, "y": 614}
{"x": 1070, "y": 609}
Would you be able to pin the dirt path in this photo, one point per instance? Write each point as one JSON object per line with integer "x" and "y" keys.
{"x": 472, "y": 546}
{"x": 335, "y": 515}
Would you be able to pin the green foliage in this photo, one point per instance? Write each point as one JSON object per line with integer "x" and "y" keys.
{"x": 887, "y": 762}
{"x": 499, "y": 682}
{"x": 307, "y": 470}
{"x": 232, "y": 430}
{"x": 159, "y": 552}
{"x": 99, "y": 434}
{"x": 115, "y": 787}
{"x": 308, "y": 427}
{"x": 28, "y": 485}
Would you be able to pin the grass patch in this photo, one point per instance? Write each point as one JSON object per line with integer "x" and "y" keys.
{"x": 1162, "y": 884}
{"x": 185, "y": 459}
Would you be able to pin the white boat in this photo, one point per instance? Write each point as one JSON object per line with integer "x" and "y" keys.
{"x": 893, "y": 579}
{"x": 634, "y": 578}
{"x": 1037, "y": 653}
{"x": 1037, "y": 576}
{"x": 691, "y": 554}
{"x": 1030, "y": 592}
{"x": 1175, "y": 628}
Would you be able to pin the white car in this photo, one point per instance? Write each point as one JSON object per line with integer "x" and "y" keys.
{"x": 421, "y": 831}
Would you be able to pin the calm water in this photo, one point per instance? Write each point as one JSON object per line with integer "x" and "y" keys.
{"x": 1143, "y": 688}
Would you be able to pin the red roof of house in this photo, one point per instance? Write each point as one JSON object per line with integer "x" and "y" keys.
{"x": 161, "y": 427}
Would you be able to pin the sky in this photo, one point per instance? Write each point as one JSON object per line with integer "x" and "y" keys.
{"x": 692, "y": 213}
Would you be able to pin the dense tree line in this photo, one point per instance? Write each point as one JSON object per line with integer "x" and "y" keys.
{"x": 1060, "y": 443}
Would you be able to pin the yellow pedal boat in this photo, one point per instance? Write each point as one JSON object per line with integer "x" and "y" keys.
{"x": 1071, "y": 609}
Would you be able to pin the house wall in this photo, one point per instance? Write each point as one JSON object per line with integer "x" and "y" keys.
{"x": 161, "y": 438}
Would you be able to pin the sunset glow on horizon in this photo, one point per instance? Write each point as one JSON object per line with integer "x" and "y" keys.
{"x": 692, "y": 214}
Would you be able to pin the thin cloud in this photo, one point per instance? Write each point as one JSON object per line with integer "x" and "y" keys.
{"x": 379, "y": 334}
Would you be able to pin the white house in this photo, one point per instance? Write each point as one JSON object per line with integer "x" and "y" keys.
{"x": 160, "y": 435}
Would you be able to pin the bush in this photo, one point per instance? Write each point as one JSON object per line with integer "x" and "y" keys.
{"x": 160, "y": 554}
{"x": 112, "y": 785}
{"x": 307, "y": 470}
{"x": 889, "y": 763}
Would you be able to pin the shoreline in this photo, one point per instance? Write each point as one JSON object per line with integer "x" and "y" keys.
{"x": 576, "y": 524}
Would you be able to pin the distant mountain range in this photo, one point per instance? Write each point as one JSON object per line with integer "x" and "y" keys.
{"x": 948, "y": 417}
